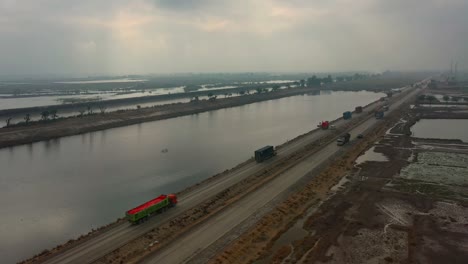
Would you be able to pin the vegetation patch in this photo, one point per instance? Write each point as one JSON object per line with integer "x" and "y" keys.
{"x": 74, "y": 100}
{"x": 428, "y": 189}
{"x": 438, "y": 167}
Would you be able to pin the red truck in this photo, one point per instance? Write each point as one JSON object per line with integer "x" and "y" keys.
{"x": 324, "y": 125}
{"x": 157, "y": 205}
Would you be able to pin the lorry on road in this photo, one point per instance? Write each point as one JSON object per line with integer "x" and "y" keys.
{"x": 264, "y": 153}
{"x": 157, "y": 205}
{"x": 347, "y": 115}
{"x": 358, "y": 109}
{"x": 324, "y": 125}
{"x": 379, "y": 114}
{"x": 343, "y": 139}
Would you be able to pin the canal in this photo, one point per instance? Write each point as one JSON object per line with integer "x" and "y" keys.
{"x": 59, "y": 189}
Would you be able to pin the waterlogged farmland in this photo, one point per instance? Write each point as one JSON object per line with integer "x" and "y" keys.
{"x": 441, "y": 129}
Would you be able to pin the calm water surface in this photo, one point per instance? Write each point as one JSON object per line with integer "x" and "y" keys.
{"x": 56, "y": 190}
{"x": 441, "y": 128}
{"x": 13, "y": 103}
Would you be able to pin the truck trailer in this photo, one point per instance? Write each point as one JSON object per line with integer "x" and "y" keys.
{"x": 347, "y": 115}
{"x": 379, "y": 114}
{"x": 264, "y": 153}
{"x": 157, "y": 205}
{"x": 343, "y": 139}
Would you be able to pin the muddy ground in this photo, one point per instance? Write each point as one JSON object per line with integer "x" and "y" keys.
{"x": 410, "y": 207}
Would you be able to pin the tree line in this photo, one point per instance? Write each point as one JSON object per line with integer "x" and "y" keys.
{"x": 315, "y": 81}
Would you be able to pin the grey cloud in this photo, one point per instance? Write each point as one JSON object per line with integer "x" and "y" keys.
{"x": 144, "y": 36}
{"x": 185, "y": 5}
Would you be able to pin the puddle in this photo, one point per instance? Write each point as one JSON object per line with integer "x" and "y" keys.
{"x": 371, "y": 155}
{"x": 441, "y": 129}
{"x": 296, "y": 232}
{"x": 401, "y": 121}
{"x": 340, "y": 184}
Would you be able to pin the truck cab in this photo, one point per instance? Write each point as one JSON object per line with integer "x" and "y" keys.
{"x": 324, "y": 125}
{"x": 172, "y": 199}
{"x": 340, "y": 141}
{"x": 343, "y": 139}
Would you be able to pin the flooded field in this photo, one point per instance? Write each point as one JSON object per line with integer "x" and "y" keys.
{"x": 441, "y": 129}
{"x": 444, "y": 105}
{"x": 371, "y": 155}
{"x": 56, "y": 190}
{"x": 124, "y": 80}
{"x": 12, "y": 103}
{"x": 123, "y": 106}
{"x": 46, "y": 99}
{"x": 438, "y": 167}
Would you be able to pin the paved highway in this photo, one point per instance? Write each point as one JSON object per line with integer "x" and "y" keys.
{"x": 186, "y": 248}
{"x": 108, "y": 241}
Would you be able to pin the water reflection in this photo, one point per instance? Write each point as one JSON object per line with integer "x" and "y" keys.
{"x": 30, "y": 150}
{"x": 441, "y": 129}
{"x": 51, "y": 145}
{"x": 83, "y": 139}
{"x": 102, "y": 139}
{"x": 90, "y": 141}
{"x": 139, "y": 127}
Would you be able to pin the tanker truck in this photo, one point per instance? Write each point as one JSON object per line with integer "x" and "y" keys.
{"x": 157, "y": 205}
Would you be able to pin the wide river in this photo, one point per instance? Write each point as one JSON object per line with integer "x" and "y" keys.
{"x": 59, "y": 189}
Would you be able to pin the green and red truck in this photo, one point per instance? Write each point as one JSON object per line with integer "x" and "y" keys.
{"x": 157, "y": 205}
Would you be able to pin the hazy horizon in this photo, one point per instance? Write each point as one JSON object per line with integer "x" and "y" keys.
{"x": 89, "y": 38}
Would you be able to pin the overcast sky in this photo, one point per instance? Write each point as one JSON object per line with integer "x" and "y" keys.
{"x": 89, "y": 37}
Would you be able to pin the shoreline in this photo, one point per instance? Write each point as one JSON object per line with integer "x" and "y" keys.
{"x": 122, "y": 101}
{"x": 20, "y": 135}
